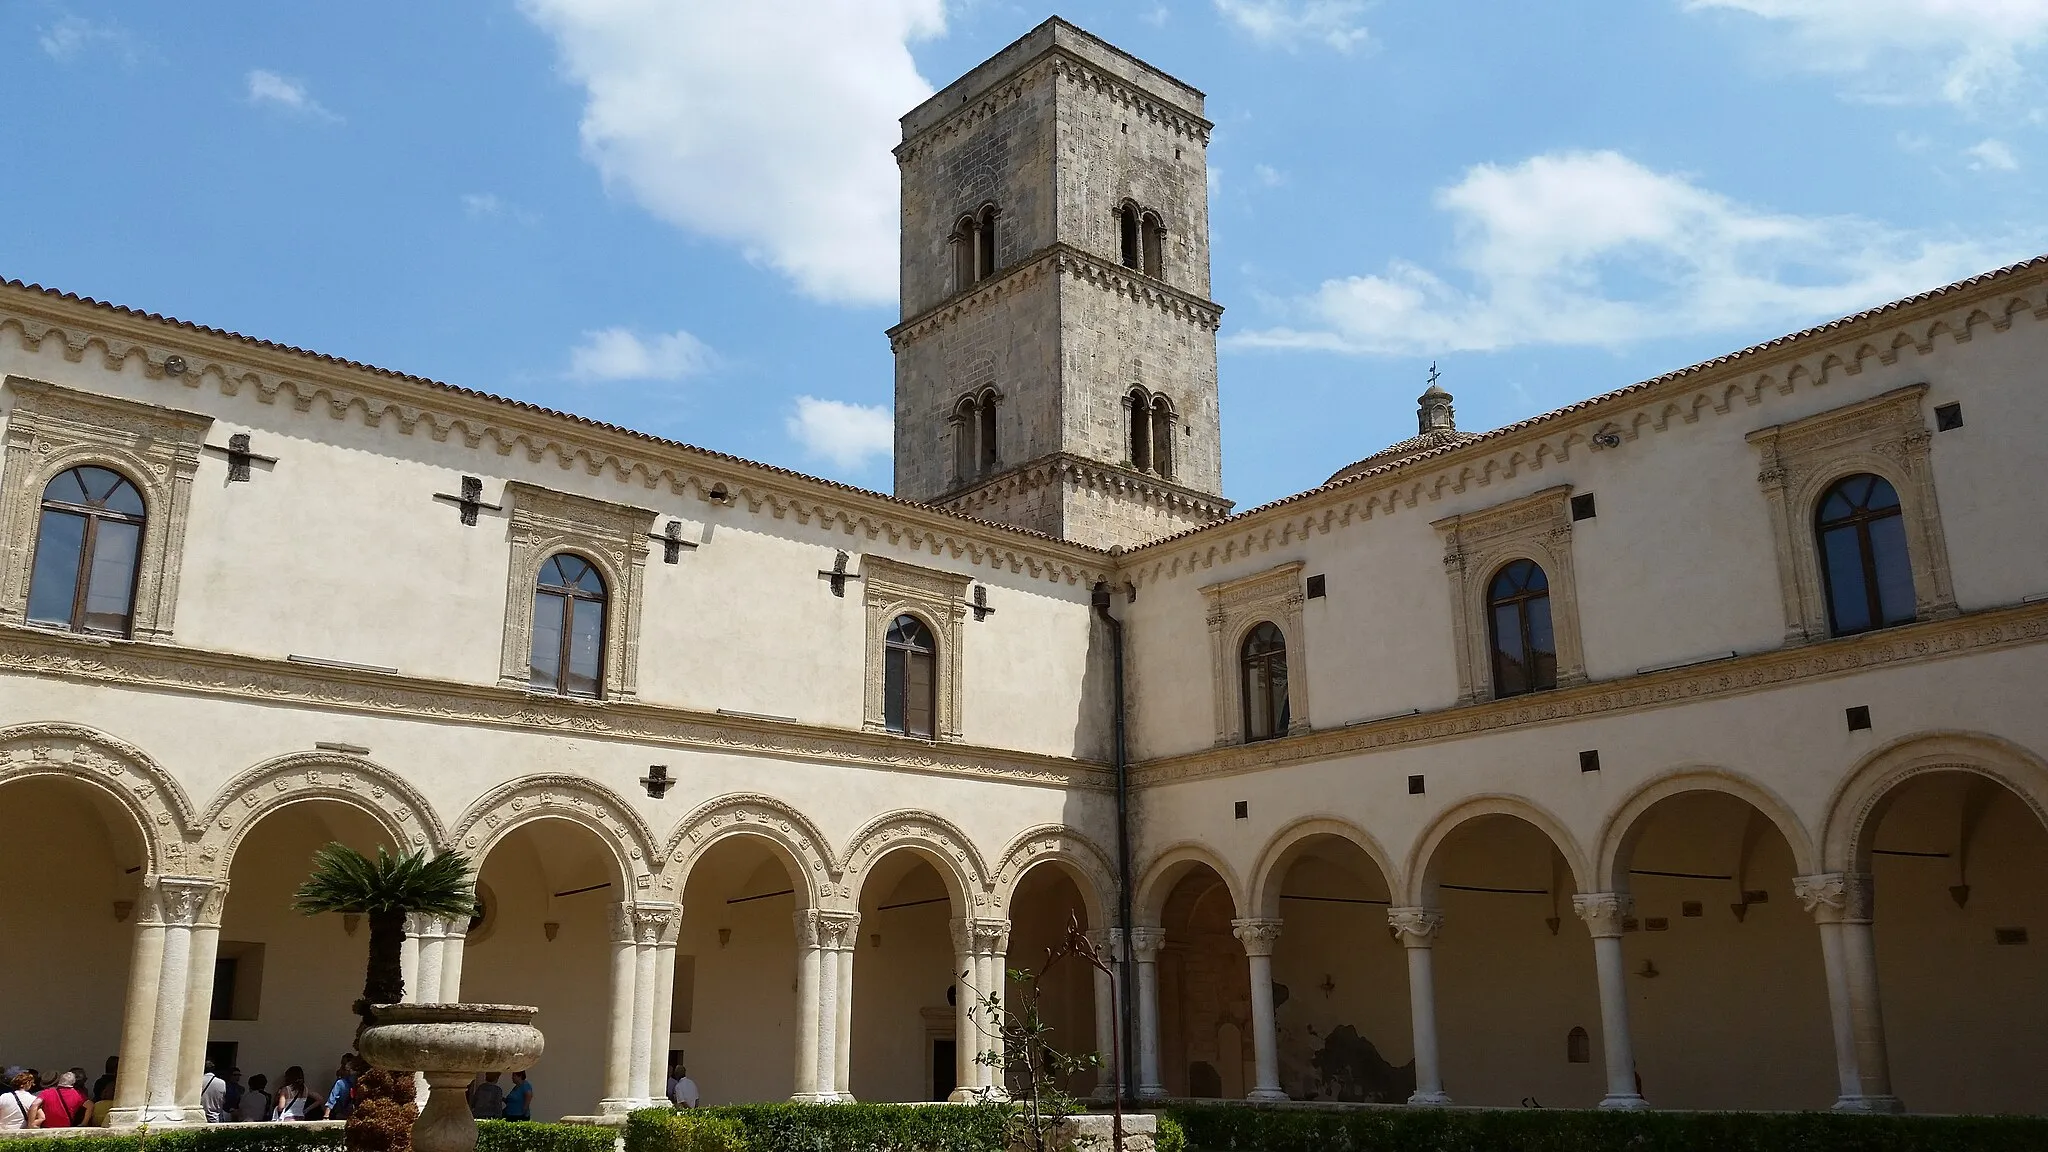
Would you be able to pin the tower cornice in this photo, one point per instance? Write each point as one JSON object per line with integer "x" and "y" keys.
{"x": 1068, "y": 260}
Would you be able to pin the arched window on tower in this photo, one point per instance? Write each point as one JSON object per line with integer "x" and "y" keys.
{"x": 910, "y": 678}
{"x": 1138, "y": 417}
{"x": 1129, "y": 245}
{"x": 1152, "y": 241}
{"x": 985, "y": 243}
{"x": 1163, "y": 422}
{"x": 988, "y": 456}
{"x": 966, "y": 426}
{"x": 88, "y": 551}
{"x": 1518, "y": 611}
{"x": 568, "y": 627}
{"x": 966, "y": 243}
{"x": 1263, "y": 665}
{"x": 1862, "y": 540}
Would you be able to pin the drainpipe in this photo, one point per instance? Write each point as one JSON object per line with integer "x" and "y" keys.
{"x": 1127, "y": 1000}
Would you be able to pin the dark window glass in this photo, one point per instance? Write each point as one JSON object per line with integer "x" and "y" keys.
{"x": 1154, "y": 233}
{"x": 1264, "y": 664}
{"x": 1162, "y": 437}
{"x": 909, "y": 678}
{"x": 1141, "y": 429}
{"x": 1862, "y": 538}
{"x": 88, "y": 548}
{"x": 985, "y": 245}
{"x": 1524, "y": 648}
{"x": 966, "y": 424}
{"x": 1127, "y": 227}
{"x": 988, "y": 433}
{"x": 568, "y": 628}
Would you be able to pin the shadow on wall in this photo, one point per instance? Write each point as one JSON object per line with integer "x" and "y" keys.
{"x": 1349, "y": 1068}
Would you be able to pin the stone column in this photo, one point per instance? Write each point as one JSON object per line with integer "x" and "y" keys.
{"x": 838, "y": 934}
{"x": 455, "y": 936}
{"x": 198, "y": 1023}
{"x": 409, "y": 963}
{"x": 1259, "y": 937}
{"x": 1145, "y": 942}
{"x": 651, "y": 921}
{"x": 1603, "y": 913}
{"x": 181, "y": 901}
{"x": 1417, "y": 928}
{"x": 664, "y": 1004}
{"x": 138, "y": 1023}
{"x": 1842, "y": 904}
{"x": 620, "y": 1095}
{"x": 967, "y": 1039}
{"x": 807, "y": 1000}
{"x": 992, "y": 948}
{"x": 1109, "y": 944}
{"x": 427, "y": 936}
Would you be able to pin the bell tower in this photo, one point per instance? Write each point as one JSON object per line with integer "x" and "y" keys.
{"x": 1056, "y": 360}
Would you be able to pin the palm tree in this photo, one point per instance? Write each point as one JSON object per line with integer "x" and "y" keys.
{"x": 386, "y": 890}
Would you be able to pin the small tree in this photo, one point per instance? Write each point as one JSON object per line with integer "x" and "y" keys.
{"x": 1024, "y": 1056}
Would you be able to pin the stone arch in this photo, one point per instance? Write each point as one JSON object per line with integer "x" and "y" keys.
{"x": 1420, "y": 879}
{"x": 1860, "y": 802}
{"x": 1165, "y": 870}
{"x": 561, "y": 797}
{"x": 947, "y": 848}
{"x": 163, "y": 816}
{"x": 1280, "y": 852}
{"x": 745, "y": 814}
{"x": 1056, "y": 844}
{"x": 398, "y": 809}
{"x": 1618, "y": 836}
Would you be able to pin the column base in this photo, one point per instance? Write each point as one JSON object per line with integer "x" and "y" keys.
{"x": 159, "y": 1117}
{"x": 1882, "y": 1105}
{"x": 1267, "y": 1095}
{"x": 1625, "y": 1103}
{"x": 815, "y": 1098}
{"x": 620, "y": 1106}
{"x": 1151, "y": 1091}
{"x": 1438, "y": 1099}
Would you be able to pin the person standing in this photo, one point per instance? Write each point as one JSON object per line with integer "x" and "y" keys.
{"x": 213, "y": 1096}
{"x": 64, "y": 1106}
{"x": 256, "y": 1103}
{"x": 487, "y": 1100}
{"x": 19, "y": 1107}
{"x": 684, "y": 1094}
{"x": 103, "y": 1088}
{"x": 519, "y": 1101}
{"x": 291, "y": 1095}
{"x": 341, "y": 1097}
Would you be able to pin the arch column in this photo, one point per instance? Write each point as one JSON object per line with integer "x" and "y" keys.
{"x": 1146, "y": 940}
{"x": 664, "y": 1001}
{"x": 426, "y": 940}
{"x": 1418, "y": 928}
{"x": 1603, "y": 913}
{"x": 1842, "y": 903}
{"x": 177, "y": 939}
{"x": 838, "y": 934}
{"x": 1258, "y": 937}
{"x": 807, "y": 1001}
{"x": 981, "y": 954}
{"x": 1109, "y": 945}
{"x": 636, "y": 929}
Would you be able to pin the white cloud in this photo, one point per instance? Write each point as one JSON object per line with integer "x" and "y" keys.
{"x": 1591, "y": 248}
{"x": 766, "y": 124}
{"x": 71, "y": 35}
{"x": 491, "y": 206}
{"x": 1992, "y": 154}
{"x": 1961, "y": 51}
{"x": 617, "y": 354}
{"x": 1288, "y": 23}
{"x": 1268, "y": 175}
{"x": 848, "y": 435}
{"x": 267, "y": 87}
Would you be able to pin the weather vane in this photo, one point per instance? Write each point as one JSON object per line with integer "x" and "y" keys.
{"x": 1432, "y": 373}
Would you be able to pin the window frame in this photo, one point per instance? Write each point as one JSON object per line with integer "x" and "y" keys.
{"x": 1520, "y": 600}
{"x": 88, "y": 544}
{"x": 892, "y": 649}
{"x": 1236, "y": 608}
{"x": 570, "y": 596}
{"x": 1478, "y": 545}
{"x": 892, "y": 588}
{"x": 51, "y": 430}
{"x": 1860, "y": 523}
{"x": 612, "y": 538}
{"x": 1276, "y": 703}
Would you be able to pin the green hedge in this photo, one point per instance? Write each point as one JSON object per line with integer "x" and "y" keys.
{"x": 526, "y": 1136}
{"x": 819, "y": 1128}
{"x": 212, "y": 1138}
{"x": 1240, "y": 1128}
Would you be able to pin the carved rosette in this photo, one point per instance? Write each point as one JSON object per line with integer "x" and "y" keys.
{"x": 1417, "y": 927}
{"x": 1258, "y": 935}
{"x": 1146, "y": 940}
{"x": 1837, "y": 897}
{"x": 1604, "y": 912}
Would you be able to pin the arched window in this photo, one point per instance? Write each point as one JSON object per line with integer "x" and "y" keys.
{"x": 1162, "y": 437}
{"x": 1128, "y": 244}
{"x": 989, "y": 456}
{"x": 1578, "y": 1046}
{"x": 88, "y": 545}
{"x": 1862, "y": 538}
{"x": 985, "y": 244}
{"x": 1152, "y": 240}
{"x": 1524, "y": 649}
{"x": 966, "y": 251}
{"x": 966, "y": 423}
{"x": 910, "y": 683}
{"x": 568, "y": 627}
{"x": 1264, "y": 664}
{"x": 1138, "y": 411}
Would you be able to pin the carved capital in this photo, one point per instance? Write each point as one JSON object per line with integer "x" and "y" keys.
{"x": 838, "y": 931}
{"x": 1146, "y": 940}
{"x": 1604, "y": 912}
{"x": 992, "y": 937}
{"x": 806, "y": 928}
{"x": 624, "y": 930}
{"x": 190, "y": 902}
{"x": 1108, "y": 942}
{"x": 1417, "y": 927}
{"x": 1258, "y": 935}
{"x": 1836, "y": 897}
{"x": 656, "y": 923}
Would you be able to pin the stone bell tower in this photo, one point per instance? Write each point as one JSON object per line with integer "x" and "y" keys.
{"x": 1056, "y": 361}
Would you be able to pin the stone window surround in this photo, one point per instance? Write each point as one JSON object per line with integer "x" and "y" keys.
{"x": 1479, "y": 544}
{"x": 938, "y": 598}
{"x": 611, "y": 536}
{"x": 1235, "y": 608}
{"x": 52, "y": 429}
{"x": 1886, "y": 435}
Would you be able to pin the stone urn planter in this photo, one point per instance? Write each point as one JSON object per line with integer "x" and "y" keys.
{"x": 449, "y": 1044}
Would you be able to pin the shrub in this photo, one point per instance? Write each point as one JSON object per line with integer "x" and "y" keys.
{"x": 1170, "y": 1138}
{"x": 820, "y": 1128}
{"x": 212, "y": 1138}
{"x": 525, "y": 1136}
{"x": 1242, "y": 1128}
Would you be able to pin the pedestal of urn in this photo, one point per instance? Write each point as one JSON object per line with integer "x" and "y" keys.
{"x": 450, "y": 1044}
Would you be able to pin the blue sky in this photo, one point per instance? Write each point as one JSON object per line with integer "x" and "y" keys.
{"x": 679, "y": 216}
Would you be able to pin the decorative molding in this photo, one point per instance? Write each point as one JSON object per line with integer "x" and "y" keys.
{"x": 655, "y": 923}
{"x": 1477, "y": 545}
{"x": 1604, "y": 912}
{"x": 611, "y": 536}
{"x": 172, "y": 668}
{"x": 1063, "y": 63}
{"x": 1073, "y": 263}
{"x": 51, "y": 430}
{"x": 1905, "y": 645}
{"x": 583, "y": 801}
{"x": 1065, "y": 470}
{"x": 1860, "y": 800}
{"x": 255, "y": 793}
{"x": 1259, "y": 935}
{"x": 188, "y": 901}
{"x": 1417, "y": 927}
{"x": 1146, "y": 941}
{"x": 1089, "y": 865}
{"x": 1235, "y": 607}
{"x": 838, "y": 929}
{"x": 937, "y": 839}
{"x": 754, "y": 815}
{"x": 1886, "y": 435}
{"x": 937, "y": 597}
{"x": 163, "y": 816}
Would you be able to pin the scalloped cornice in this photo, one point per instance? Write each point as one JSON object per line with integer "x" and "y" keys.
{"x": 1958, "y": 313}
{"x": 1063, "y": 64}
{"x": 345, "y": 390}
{"x": 1070, "y": 261}
{"x": 1067, "y": 470}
